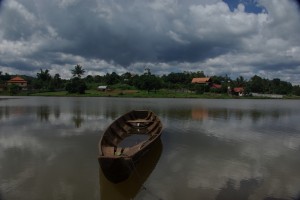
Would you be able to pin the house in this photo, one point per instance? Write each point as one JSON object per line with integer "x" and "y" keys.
{"x": 18, "y": 81}
{"x": 102, "y": 88}
{"x": 204, "y": 80}
{"x": 216, "y": 86}
{"x": 238, "y": 91}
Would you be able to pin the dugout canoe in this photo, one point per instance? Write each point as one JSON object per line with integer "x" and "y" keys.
{"x": 126, "y": 141}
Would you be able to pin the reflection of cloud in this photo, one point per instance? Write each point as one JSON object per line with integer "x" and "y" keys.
{"x": 37, "y": 160}
{"x": 200, "y": 156}
{"x": 205, "y": 157}
{"x": 23, "y": 176}
{"x": 246, "y": 188}
{"x": 20, "y": 142}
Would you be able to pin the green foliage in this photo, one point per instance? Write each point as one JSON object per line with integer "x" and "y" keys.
{"x": 180, "y": 79}
{"x": 122, "y": 87}
{"x": 200, "y": 88}
{"x": 57, "y": 82}
{"x": 78, "y": 71}
{"x": 111, "y": 79}
{"x": 296, "y": 90}
{"x": 148, "y": 82}
{"x": 76, "y": 85}
{"x": 43, "y": 80}
{"x": 89, "y": 79}
{"x": 14, "y": 89}
{"x": 275, "y": 86}
{"x": 5, "y": 77}
{"x": 98, "y": 79}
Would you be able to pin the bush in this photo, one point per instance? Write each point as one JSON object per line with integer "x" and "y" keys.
{"x": 14, "y": 89}
{"x": 76, "y": 85}
{"x": 200, "y": 89}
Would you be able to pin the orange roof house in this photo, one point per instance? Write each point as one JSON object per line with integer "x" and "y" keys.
{"x": 205, "y": 80}
{"x": 18, "y": 81}
{"x": 239, "y": 91}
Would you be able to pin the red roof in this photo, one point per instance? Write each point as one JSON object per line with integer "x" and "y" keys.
{"x": 217, "y": 86}
{"x": 201, "y": 80}
{"x": 17, "y": 79}
{"x": 238, "y": 89}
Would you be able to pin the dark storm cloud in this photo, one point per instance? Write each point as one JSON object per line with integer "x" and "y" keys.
{"x": 168, "y": 35}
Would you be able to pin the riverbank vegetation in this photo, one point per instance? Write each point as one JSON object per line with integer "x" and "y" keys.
{"x": 172, "y": 85}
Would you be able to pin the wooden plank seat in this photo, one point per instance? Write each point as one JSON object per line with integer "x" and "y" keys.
{"x": 113, "y": 151}
{"x": 140, "y": 121}
{"x": 108, "y": 150}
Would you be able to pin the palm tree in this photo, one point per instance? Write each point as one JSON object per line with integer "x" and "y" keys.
{"x": 44, "y": 75}
{"x": 78, "y": 71}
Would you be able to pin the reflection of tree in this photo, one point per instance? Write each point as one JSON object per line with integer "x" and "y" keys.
{"x": 43, "y": 113}
{"x": 77, "y": 119}
{"x": 57, "y": 112}
{"x": 4, "y": 112}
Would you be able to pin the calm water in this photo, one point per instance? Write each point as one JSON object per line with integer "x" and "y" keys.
{"x": 210, "y": 149}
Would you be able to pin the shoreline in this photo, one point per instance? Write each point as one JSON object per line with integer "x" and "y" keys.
{"x": 144, "y": 94}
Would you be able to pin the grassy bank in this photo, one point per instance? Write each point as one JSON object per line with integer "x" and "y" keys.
{"x": 141, "y": 94}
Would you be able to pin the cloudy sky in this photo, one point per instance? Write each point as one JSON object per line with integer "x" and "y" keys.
{"x": 233, "y": 37}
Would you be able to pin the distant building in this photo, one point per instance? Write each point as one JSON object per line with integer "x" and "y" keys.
{"x": 216, "y": 86}
{"x": 18, "y": 81}
{"x": 102, "y": 88}
{"x": 204, "y": 80}
{"x": 238, "y": 91}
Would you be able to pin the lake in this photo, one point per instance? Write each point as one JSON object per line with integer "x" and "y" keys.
{"x": 209, "y": 149}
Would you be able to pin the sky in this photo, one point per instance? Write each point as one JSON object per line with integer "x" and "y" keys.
{"x": 220, "y": 37}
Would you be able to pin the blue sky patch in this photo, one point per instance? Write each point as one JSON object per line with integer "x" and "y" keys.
{"x": 251, "y": 6}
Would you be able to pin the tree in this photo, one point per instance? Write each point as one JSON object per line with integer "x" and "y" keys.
{"x": 14, "y": 89}
{"x": 98, "y": 79}
{"x": 43, "y": 80}
{"x": 56, "y": 82}
{"x": 112, "y": 78}
{"x": 296, "y": 90}
{"x": 89, "y": 78}
{"x": 76, "y": 84}
{"x": 148, "y": 82}
{"x": 44, "y": 75}
{"x": 256, "y": 84}
{"x": 200, "y": 88}
{"x": 78, "y": 71}
{"x": 240, "y": 81}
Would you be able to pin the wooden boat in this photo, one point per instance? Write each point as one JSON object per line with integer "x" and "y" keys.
{"x": 125, "y": 141}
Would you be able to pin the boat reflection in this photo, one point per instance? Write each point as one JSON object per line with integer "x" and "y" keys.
{"x": 129, "y": 188}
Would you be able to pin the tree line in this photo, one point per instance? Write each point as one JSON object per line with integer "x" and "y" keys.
{"x": 180, "y": 81}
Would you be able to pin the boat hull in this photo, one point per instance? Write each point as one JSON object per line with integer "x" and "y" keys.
{"x": 119, "y": 169}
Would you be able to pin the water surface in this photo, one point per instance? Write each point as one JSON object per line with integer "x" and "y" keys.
{"x": 211, "y": 149}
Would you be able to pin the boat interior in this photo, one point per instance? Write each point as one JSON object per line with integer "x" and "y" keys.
{"x": 129, "y": 133}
